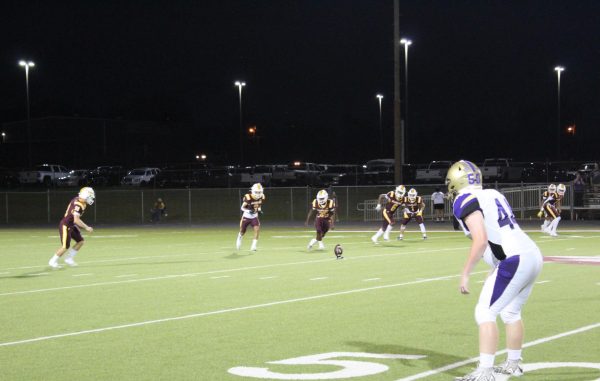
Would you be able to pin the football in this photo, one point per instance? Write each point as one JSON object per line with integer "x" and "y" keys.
{"x": 338, "y": 250}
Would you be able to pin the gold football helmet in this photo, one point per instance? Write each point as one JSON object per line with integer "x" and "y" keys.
{"x": 322, "y": 197}
{"x": 462, "y": 174}
{"x": 561, "y": 189}
{"x": 400, "y": 191}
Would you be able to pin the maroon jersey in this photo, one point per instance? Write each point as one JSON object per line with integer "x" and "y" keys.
{"x": 249, "y": 202}
{"x": 392, "y": 202}
{"x": 551, "y": 198}
{"x": 324, "y": 211}
{"x": 75, "y": 207}
{"x": 413, "y": 206}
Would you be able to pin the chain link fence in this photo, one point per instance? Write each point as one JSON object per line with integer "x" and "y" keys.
{"x": 193, "y": 206}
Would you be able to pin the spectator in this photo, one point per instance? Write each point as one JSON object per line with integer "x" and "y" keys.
{"x": 159, "y": 210}
{"x": 438, "y": 204}
{"x": 579, "y": 189}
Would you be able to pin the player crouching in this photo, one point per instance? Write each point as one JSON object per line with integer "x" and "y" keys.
{"x": 69, "y": 225}
{"x": 413, "y": 208}
{"x": 251, "y": 208}
{"x": 325, "y": 210}
{"x": 392, "y": 199}
{"x": 550, "y": 209}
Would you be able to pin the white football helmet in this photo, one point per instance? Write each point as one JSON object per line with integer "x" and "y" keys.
{"x": 412, "y": 194}
{"x": 87, "y": 194}
{"x": 561, "y": 189}
{"x": 400, "y": 191}
{"x": 257, "y": 191}
{"x": 551, "y": 188}
{"x": 322, "y": 197}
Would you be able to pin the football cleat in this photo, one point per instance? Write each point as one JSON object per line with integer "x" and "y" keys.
{"x": 256, "y": 191}
{"x": 510, "y": 367}
{"x": 478, "y": 375}
{"x": 71, "y": 262}
{"x": 87, "y": 194}
{"x": 400, "y": 237}
{"x": 462, "y": 174}
{"x": 322, "y": 197}
{"x": 374, "y": 239}
{"x": 54, "y": 265}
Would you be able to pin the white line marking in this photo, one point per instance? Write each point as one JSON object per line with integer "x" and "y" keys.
{"x": 105, "y": 236}
{"x": 37, "y": 274}
{"x": 370, "y": 279}
{"x": 234, "y": 309}
{"x": 570, "y": 249}
{"x": 474, "y": 359}
{"x": 219, "y": 277}
{"x": 320, "y": 278}
{"x": 4, "y": 273}
{"x": 125, "y": 275}
{"x": 542, "y": 282}
{"x": 88, "y": 274}
{"x": 217, "y": 272}
{"x": 268, "y": 277}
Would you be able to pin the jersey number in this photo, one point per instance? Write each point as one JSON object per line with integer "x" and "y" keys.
{"x": 505, "y": 214}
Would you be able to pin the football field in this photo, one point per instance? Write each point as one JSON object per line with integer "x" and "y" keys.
{"x": 178, "y": 303}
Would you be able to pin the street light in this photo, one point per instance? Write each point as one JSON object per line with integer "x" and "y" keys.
{"x": 558, "y": 70}
{"x": 241, "y": 84}
{"x": 406, "y": 42}
{"x": 27, "y": 65}
{"x": 3, "y": 137}
{"x": 380, "y": 97}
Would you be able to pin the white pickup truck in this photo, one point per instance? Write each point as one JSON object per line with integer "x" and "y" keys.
{"x": 435, "y": 172}
{"x": 47, "y": 174}
{"x": 501, "y": 169}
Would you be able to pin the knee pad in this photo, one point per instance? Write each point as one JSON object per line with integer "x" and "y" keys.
{"x": 509, "y": 317}
{"x": 484, "y": 314}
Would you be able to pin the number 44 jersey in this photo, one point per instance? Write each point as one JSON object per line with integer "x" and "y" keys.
{"x": 505, "y": 237}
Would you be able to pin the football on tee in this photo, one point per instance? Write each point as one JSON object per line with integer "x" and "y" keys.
{"x": 338, "y": 250}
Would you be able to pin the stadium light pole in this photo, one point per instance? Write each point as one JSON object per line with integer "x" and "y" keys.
{"x": 27, "y": 65}
{"x": 241, "y": 84}
{"x": 3, "y": 137}
{"x": 406, "y": 42}
{"x": 558, "y": 69}
{"x": 380, "y": 97}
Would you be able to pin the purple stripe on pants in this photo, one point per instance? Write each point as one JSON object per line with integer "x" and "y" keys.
{"x": 506, "y": 271}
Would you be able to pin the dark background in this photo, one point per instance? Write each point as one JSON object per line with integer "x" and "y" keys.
{"x": 481, "y": 78}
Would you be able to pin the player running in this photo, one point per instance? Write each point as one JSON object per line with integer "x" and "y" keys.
{"x": 550, "y": 208}
{"x": 413, "y": 208}
{"x": 251, "y": 208}
{"x": 324, "y": 221}
{"x": 393, "y": 200}
{"x": 487, "y": 218}
{"x": 69, "y": 225}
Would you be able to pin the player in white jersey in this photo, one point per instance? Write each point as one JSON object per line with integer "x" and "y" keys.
{"x": 487, "y": 218}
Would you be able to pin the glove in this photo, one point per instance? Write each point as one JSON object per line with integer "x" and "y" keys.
{"x": 419, "y": 213}
{"x": 378, "y": 208}
{"x": 540, "y": 214}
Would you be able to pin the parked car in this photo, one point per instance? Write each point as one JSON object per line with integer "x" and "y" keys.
{"x": 501, "y": 169}
{"x": 46, "y": 174}
{"x": 107, "y": 175}
{"x": 8, "y": 178}
{"x": 140, "y": 176}
{"x": 76, "y": 177}
{"x": 340, "y": 174}
{"x": 297, "y": 173}
{"x": 255, "y": 174}
{"x": 379, "y": 172}
{"x": 434, "y": 173}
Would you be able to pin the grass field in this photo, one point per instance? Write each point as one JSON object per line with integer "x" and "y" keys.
{"x": 174, "y": 303}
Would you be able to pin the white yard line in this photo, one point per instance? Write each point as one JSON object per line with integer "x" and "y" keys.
{"x": 217, "y": 272}
{"x": 542, "y": 282}
{"x": 474, "y": 359}
{"x": 38, "y": 274}
{"x": 125, "y": 276}
{"x": 370, "y": 279}
{"x": 4, "y": 273}
{"x": 234, "y": 309}
{"x": 268, "y": 277}
{"x": 220, "y": 277}
{"x": 319, "y": 278}
{"x": 88, "y": 274}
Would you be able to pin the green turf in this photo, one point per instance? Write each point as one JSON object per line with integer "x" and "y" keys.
{"x": 204, "y": 308}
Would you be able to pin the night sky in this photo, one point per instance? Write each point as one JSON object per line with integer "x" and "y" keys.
{"x": 481, "y": 73}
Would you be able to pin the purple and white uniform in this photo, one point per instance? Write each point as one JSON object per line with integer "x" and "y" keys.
{"x": 519, "y": 260}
